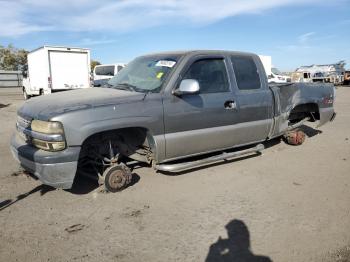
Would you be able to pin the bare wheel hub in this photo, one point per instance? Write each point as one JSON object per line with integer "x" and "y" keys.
{"x": 117, "y": 178}
{"x": 295, "y": 137}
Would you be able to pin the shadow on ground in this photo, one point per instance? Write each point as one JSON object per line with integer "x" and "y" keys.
{"x": 43, "y": 189}
{"x": 236, "y": 247}
{"x": 83, "y": 185}
{"x": 309, "y": 131}
{"x": 3, "y": 105}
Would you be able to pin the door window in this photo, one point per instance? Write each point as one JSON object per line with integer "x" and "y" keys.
{"x": 211, "y": 75}
{"x": 246, "y": 72}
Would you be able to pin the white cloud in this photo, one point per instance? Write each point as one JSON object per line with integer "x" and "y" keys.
{"x": 302, "y": 42}
{"x": 92, "y": 42}
{"x": 304, "y": 38}
{"x": 25, "y": 16}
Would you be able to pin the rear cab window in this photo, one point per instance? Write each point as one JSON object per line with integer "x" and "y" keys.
{"x": 246, "y": 72}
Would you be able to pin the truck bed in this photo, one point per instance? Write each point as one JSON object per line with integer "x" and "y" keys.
{"x": 289, "y": 95}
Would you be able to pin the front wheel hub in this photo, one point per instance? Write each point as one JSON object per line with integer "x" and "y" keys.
{"x": 117, "y": 177}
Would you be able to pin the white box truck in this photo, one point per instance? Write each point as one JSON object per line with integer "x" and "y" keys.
{"x": 52, "y": 68}
{"x": 267, "y": 63}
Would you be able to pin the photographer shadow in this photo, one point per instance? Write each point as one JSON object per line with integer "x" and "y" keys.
{"x": 236, "y": 248}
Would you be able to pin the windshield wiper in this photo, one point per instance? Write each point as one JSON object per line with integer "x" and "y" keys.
{"x": 127, "y": 86}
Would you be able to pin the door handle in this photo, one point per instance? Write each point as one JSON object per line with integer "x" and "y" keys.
{"x": 230, "y": 104}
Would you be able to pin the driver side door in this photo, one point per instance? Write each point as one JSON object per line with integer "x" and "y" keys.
{"x": 199, "y": 123}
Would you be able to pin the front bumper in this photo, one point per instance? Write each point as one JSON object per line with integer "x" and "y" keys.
{"x": 55, "y": 169}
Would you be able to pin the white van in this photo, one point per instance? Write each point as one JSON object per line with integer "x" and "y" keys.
{"x": 52, "y": 68}
{"x": 102, "y": 73}
{"x": 277, "y": 77}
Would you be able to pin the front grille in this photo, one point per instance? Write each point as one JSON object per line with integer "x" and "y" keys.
{"x": 23, "y": 122}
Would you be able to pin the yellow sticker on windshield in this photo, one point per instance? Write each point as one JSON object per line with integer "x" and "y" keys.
{"x": 159, "y": 75}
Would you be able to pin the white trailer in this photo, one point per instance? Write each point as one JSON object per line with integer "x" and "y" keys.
{"x": 51, "y": 69}
{"x": 267, "y": 63}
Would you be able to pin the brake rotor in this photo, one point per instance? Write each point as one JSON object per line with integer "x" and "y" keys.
{"x": 295, "y": 137}
{"x": 117, "y": 178}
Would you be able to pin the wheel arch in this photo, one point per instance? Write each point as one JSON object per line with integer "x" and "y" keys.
{"x": 130, "y": 139}
{"x": 303, "y": 110}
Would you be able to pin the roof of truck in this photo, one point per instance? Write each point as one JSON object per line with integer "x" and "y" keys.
{"x": 58, "y": 47}
{"x": 199, "y": 52}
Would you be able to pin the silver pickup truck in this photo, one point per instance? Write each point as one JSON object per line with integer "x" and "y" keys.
{"x": 163, "y": 109}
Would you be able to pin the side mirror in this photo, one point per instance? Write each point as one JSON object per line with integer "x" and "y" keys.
{"x": 25, "y": 74}
{"x": 187, "y": 86}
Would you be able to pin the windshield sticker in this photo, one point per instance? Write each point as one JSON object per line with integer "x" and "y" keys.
{"x": 166, "y": 63}
{"x": 159, "y": 75}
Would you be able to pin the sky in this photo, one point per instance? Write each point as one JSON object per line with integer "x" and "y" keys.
{"x": 293, "y": 32}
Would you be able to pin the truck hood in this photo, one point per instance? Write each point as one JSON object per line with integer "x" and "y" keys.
{"x": 47, "y": 106}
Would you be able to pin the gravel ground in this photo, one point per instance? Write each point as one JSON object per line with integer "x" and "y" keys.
{"x": 289, "y": 204}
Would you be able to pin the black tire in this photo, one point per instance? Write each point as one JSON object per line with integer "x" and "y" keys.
{"x": 117, "y": 178}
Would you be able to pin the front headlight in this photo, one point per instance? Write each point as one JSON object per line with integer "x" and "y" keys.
{"x": 48, "y": 136}
{"x": 47, "y": 127}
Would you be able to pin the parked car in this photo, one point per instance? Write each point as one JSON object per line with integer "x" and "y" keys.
{"x": 277, "y": 77}
{"x": 52, "y": 69}
{"x": 162, "y": 109}
{"x": 102, "y": 73}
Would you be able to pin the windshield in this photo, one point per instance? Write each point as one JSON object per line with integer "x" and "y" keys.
{"x": 276, "y": 71}
{"x": 144, "y": 74}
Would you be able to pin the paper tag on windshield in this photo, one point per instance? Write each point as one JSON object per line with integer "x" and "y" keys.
{"x": 166, "y": 63}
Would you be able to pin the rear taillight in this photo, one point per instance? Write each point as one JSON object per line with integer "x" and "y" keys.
{"x": 328, "y": 100}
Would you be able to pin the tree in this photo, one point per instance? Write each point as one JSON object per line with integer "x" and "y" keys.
{"x": 12, "y": 58}
{"x": 94, "y": 63}
{"x": 21, "y": 58}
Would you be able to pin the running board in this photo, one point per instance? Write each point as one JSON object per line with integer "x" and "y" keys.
{"x": 206, "y": 161}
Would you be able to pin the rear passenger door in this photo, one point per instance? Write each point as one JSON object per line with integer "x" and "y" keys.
{"x": 253, "y": 98}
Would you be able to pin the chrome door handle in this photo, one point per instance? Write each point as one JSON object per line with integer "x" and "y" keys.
{"x": 230, "y": 104}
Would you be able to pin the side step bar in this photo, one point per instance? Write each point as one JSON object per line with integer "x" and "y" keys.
{"x": 206, "y": 161}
